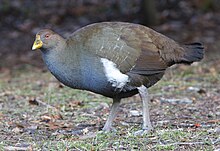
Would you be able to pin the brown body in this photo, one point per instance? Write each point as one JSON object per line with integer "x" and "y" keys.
{"x": 114, "y": 59}
{"x": 138, "y": 51}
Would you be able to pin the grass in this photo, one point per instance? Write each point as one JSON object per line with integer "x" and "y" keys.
{"x": 117, "y": 141}
{"x": 55, "y": 124}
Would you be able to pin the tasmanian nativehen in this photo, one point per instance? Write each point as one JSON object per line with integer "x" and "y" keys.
{"x": 114, "y": 59}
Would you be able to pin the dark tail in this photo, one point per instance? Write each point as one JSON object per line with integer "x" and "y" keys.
{"x": 194, "y": 52}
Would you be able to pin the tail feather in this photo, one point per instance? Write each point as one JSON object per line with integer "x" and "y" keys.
{"x": 194, "y": 52}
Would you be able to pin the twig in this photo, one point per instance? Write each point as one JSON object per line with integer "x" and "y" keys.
{"x": 47, "y": 105}
{"x": 17, "y": 148}
{"x": 186, "y": 125}
{"x": 187, "y": 143}
{"x": 89, "y": 135}
{"x": 179, "y": 143}
{"x": 216, "y": 141}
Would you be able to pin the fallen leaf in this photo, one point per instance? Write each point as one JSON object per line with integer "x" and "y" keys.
{"x": 45, "y": 118}
{"x": 177, "y": 101}
{"x": 85, "y": 130}
{"x": 75, "y": 103}
{"x": 135, "y": 113}
{"x": 57, "y": 117}
{"x": 201, "y": 91}
{"x": 19, "y": 125}
{"x": 213, "y": 121}
{"x": 1, "y": 116}
{"x": 197, "y": 125}
{"x": 17, "y": 130}
{"x": 14, "y": 148}
{"x": 217, "y": 130}
{"x": 33, "y": 101}
{"x": 54, "y": 126}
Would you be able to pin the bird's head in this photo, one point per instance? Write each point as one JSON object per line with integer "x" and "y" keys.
{"x": 46, "y": 39}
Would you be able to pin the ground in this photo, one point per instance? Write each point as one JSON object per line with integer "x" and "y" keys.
{"x": 37, "y": 112}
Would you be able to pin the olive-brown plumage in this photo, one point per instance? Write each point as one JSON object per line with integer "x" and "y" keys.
{"x": 114, "y": 59}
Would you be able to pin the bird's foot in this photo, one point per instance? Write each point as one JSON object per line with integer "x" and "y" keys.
{"x": 142, "y": 132}
{"x": 108, "y": 129}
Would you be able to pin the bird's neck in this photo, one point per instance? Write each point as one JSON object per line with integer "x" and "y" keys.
{"x": 60, "y": 62}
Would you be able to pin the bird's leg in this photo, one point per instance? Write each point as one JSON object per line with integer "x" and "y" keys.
{"x": 112, "y": 115}
{"x": 143, "y": 92}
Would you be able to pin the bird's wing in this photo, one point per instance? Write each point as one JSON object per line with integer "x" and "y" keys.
{"x": 133, "y": 48}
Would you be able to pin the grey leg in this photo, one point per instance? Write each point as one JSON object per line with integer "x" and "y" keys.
{"x": 146, "y": 115}
{"x": 112, "y": 115}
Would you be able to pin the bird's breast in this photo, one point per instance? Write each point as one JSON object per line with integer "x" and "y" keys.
{"x": 101, "y": 75}
{"x": 92, "y": 73}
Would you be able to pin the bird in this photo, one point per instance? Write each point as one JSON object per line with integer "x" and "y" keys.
{"x": 114, "y": 59}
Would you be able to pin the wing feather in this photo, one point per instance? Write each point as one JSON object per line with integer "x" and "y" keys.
{"x": 133, "y": 48}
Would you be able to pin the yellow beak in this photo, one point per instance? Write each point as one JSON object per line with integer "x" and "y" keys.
{"x": 37, "y": 43}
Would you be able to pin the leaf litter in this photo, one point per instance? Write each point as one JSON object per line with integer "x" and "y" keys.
{"x": 33, "y": 116}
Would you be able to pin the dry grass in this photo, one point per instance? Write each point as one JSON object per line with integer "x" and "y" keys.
{"x": 37, "y": 112}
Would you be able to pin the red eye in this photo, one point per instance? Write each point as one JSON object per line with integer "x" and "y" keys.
{"x": 47, "y": 36}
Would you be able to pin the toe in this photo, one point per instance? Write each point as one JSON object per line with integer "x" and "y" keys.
{"x": 142, "y": 132}
{"x": 109, "y": 129}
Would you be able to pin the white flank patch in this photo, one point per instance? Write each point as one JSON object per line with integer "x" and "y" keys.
{"x": 113, "y": 74}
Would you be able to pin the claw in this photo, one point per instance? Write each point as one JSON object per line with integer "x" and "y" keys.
{"x": 142, "y": 132}
{"x": 109, "y": 129}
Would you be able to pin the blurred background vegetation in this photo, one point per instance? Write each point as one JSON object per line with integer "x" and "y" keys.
{"x": 38, "y": 113}
{"x": 185, "y": 21}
